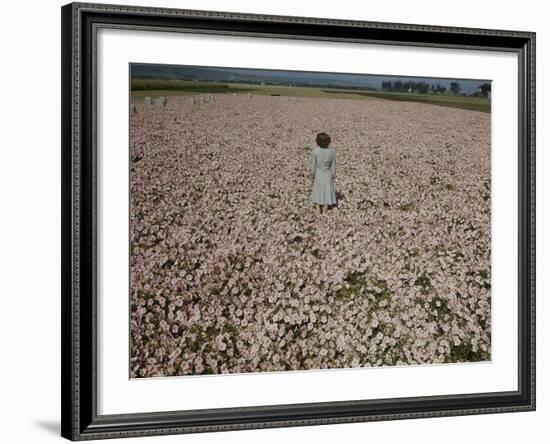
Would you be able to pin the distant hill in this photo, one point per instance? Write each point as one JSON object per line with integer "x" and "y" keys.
{"x": 175, "y": 72}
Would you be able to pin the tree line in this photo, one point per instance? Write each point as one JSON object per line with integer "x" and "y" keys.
{"x": 422, "y": 87}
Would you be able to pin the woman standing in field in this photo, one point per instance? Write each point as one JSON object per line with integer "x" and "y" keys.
{"x": 323, "y": 172}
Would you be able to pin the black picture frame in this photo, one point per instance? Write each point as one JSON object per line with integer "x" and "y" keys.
{"x": 80, "y": 420}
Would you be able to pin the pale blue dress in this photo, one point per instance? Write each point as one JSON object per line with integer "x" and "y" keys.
{"x": 323, "y": 170}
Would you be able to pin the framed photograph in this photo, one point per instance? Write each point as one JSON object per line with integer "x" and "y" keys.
{"x": 273, "y": 221}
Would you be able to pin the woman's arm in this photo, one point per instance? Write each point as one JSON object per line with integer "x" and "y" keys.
{"x": 333, "y": 166}
{"x": 312, "y": 164}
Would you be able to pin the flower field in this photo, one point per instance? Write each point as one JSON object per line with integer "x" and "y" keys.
{"x": 232, "y": 270}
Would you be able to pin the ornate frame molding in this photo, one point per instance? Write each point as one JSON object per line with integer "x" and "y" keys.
{"x": 80, "y": 22}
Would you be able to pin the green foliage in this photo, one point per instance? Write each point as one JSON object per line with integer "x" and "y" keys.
{"x": 163, "y": 87}
{"x": 355, "y": 281}
{"x": 441, "y": 307}
{"x": 455, "y": 88}
{"x": 483, "y": 274}
{"x": 375, "y": 288}
{"x": 485, "y": 89}
{"x": 406, "y": 207}
{"x": 465, "y": 353}
{"x": 179, "y": 85}
{"x": 452, "y": 101}
{"x": 423, "y": 281}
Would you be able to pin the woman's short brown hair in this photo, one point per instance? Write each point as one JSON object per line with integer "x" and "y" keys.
{"x": 323, "y": 140}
